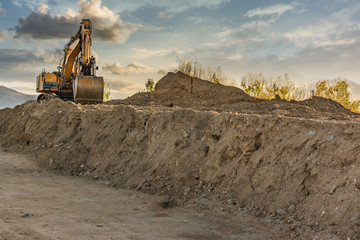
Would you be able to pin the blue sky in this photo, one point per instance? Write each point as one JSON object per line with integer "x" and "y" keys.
{"x": 138, "y": 39}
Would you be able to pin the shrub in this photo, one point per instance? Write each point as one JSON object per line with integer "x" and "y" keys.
{"x": 257, "y": 85}
{"x": 149, "y": 85}
{"x": 195, "y": 69}
{"x": 107, "y": 92}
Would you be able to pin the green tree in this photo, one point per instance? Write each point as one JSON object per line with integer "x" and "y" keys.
{"x": 106, "y": 96}
{"x": 149, "y": 85}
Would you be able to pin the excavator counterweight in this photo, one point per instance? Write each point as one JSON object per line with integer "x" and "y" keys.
{"x": 76, "y": 79}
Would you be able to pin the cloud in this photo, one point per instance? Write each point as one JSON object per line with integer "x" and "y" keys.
{"x": 247, "y": 33}
{"x": 337, "y": 29}
{"x": 132, "y": 68}
{"x": 122, "y": 89}
{"x": 48, "y": 55}
{"x": 273, "y": 10}
{"x": 322, "y": 34}
{"x": 162, "y": 71}
{"x": 107, "y": 25}
{"x": 31, "y": 4}
{"x": 8, "y": 56}
{"x": 327, "y": 62}
{"x": 162, "y": 14}
{"x": 171, "y": 7}
{"x": 141, "y": 53}
{"x": 12, "y": 59}
{"x": 122, "y": 85}
{"x": 45, "y": 26}
{"x": 197, "y": 20}
{"x": 2, "y": 10}
{"x": 6, "y": 35}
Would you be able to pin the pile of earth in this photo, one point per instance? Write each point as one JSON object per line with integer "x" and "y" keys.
{"x": 181, "y": 90}
{"x": 293, "y": 163}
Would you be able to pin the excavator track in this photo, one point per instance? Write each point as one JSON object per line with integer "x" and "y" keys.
{"x": 45, "y": 97}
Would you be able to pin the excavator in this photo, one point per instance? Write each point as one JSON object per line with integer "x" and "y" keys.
{"x": 76, "y": 78}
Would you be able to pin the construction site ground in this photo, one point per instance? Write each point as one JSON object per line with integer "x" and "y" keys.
{"x": 38, "y": 204}
{"x": 191, "y": 160}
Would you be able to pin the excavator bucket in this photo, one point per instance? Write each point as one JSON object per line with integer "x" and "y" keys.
{"x": 88, "y": 89}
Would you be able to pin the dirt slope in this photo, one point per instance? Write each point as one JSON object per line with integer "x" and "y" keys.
{"x": 293, "y": 163}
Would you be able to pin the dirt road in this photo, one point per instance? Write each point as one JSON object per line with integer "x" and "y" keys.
{"x": 36, "y": 204}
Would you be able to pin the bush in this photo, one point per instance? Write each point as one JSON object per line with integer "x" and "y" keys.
{"x": 195, "y": 69}
{"x": 107, "y": 92}
{"x": 149, "y": 85}
{"x": 257, "y": 85}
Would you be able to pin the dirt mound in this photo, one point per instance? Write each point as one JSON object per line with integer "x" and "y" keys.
{"x": 325, "y": 105}
{"x": 182, "y": 90}
{"x": 139, "y": 99}
{"x": 263, "y": 157}
{"x": 179, "y": 89}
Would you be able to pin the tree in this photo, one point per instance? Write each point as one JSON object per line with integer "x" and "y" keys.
{"x": 149, "y": 85}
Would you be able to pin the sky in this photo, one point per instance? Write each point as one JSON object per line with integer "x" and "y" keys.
{"x": 134, "y": 40}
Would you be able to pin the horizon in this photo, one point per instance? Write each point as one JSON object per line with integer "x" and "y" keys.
{"x": 136, "y": 40}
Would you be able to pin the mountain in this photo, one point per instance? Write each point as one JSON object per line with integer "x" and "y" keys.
{"x": 11, "y": 98}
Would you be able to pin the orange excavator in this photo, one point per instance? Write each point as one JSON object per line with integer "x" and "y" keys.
{"x": 76, "y": 78}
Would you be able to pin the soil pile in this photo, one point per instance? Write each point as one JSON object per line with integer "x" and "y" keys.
{"x": 183, "y": 90}
{"x": 292, "y": 163}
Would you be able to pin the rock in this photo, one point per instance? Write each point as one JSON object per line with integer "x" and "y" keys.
{"x": 355, "y": 218}
{"x": 332, "y": 190}
{"x": 27, "y": 215}
{"x": 330, "y": 138}
{"x": 187, "y": 191}
{"x": 291, "y": 208}
{"x": 51, "y": 162}
{"x": 280, "y": 212}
